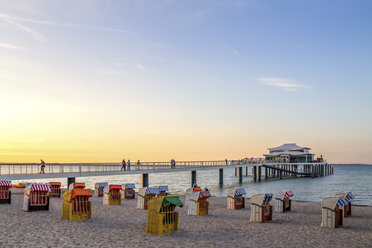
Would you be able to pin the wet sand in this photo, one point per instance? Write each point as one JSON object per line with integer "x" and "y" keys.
{"x": 125, "y": 226}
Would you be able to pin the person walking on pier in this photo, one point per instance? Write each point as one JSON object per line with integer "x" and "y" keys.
{"x": 173, "y": 164}
{"x": 226, "y": 161}
{"x": 123, "y": 167}
{"x": 138, "y": 165}
{"x": 128, "y": 165}
{"x": 42, "y": 166}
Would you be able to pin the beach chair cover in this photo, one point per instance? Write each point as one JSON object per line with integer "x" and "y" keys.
{"x": 261, "y": 199}
{"x": 142, "y": 192}
{"x": 5, "y": 184}
{"x": 348, "y": 196}
{"x": 235, "y": 192}
{"x": 81, "y": 192}
{"x": 333, "y": 202}
{"x": 108, "y": 188}
{"x": 36, "y": 187}
{"x": 194, "y": 196}
{"x": 163, "y": 188}
{"x": 100, "y": 185}
{"x": 187, "y": 194}
{"x": 129, "y": 186}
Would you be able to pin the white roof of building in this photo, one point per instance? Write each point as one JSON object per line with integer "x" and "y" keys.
{"x": 287, "y": 153}
{"x": 288, "y": 147}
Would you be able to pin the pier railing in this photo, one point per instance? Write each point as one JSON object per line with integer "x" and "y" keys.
{"x": 61, "y": 168}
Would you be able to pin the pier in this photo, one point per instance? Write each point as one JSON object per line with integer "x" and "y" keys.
{"x": 30, "y": 171}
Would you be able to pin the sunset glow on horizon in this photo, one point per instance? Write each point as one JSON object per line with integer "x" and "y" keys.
{"x": 99, "y": 81}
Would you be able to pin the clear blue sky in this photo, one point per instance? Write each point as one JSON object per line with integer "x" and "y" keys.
{"x": 95, "y": 80}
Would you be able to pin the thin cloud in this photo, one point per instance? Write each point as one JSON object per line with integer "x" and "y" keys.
{"x": 37, "y": 36}
{"x": 11, "y": 46}
{"x": 232, "y": 50}
{"x": 283, "y": 83}
{"x": 63, "y": 24}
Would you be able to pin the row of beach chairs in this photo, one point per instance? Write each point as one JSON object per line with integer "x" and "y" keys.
{"x": 162, "y": 217}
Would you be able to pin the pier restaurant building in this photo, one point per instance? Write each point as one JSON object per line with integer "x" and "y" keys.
{"x": 289, "y": 153}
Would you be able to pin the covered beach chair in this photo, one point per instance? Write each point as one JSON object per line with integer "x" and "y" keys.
{"x": 127, "y": 191}
{"x": 111, "y": 195}
{"x": 145, "y": 195}
{"x": 161, "y": 216}
{"x": 198, "y": 204}
{"x": 5, "y": 194}
{"x": 348, "y": 196}
{"x": 163, "y": 190}
{"x": 55, "y": 189}
{"x": 76, "y": 204}
{"x": 235, "y": 199}
{"x": 261, "y": 210}
{"x": 76, "y": 186}
{"x": 98, "y": 189}
{"x": 36, "y": 197}
{"x": 189, "y": 191}
{"x": 283, "y": 201}
{"x": 332, "y": 211}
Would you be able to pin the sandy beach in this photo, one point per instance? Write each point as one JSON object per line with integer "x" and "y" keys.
{"x": 124, "y": 226}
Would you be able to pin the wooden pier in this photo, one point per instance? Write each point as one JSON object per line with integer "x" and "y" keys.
{"x": 259, "y": 169}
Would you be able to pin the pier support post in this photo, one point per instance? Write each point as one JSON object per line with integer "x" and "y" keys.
{"x": 254, "y": 173}
{"x": 259, "y": 173}
{"x": 145, "y": 180}
{"x": 221, "y": 177}
{"x": 266, "y": 173}
{"x": 236, "y": 171}
{"x": 280, "y": 174}
{"x": 70, "y": 180}
{"x": 240, "y": 175}
{"x": 193, "y": 178}
{"x": 246, "y": 171}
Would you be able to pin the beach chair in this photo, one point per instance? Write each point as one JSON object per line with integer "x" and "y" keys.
{"x": 161, "y": 216}
{"x": 111, "y": 195}
{"x": 5, "y": 194}
{"x": 198, "y": 204}
{"x": 98, "y": 189}
{"x": 283, "y": 202}
{"x": 332, "y": 211}
{"x": 163, "y": 190}
{"x": 235, "y": 199}
{"x": 349, "y": 197}
{"x": 261, "y": 210}
{"x": 76, "y": 186}
{"x": 76, "y": 205}
{"x": 55, "y": 189}
{"x": 36, "y": 197}
{"x": 127, "y": 191}
{"x": 145, "y": 195}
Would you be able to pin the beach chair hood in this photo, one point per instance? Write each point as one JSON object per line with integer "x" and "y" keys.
{"x": 333, "y": 202}
{"x": 55, "y": 184}
{"x": 235, "y": 192}
{"x": 100, "y": 185}
{"x": 148, "y": 191}
{"x": 5, "y": 183}
{"x": 348, "y": 196}
{"x": 129, "y": 186}
{"x": 81, "y": 192}
{"x": 261, "y": 199}
{"x": 163, "y": 188}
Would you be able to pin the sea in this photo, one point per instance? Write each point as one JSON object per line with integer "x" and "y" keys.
{"x": 355, "y": 178}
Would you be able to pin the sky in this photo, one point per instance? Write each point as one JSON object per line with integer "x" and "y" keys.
{"x": 99, "y": 81}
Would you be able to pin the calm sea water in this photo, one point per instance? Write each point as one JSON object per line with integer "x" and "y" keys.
{"x": 354, "y": 178}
